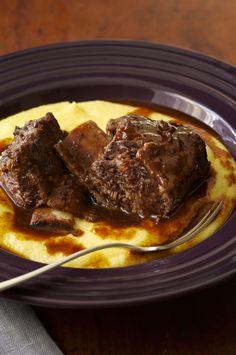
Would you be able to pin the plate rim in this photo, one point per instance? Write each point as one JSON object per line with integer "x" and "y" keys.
{"x": 170, "y": 47}
{"x": 195, "y": 54}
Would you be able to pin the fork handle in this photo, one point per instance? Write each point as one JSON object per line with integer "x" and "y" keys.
{"x": 4, "y": 285}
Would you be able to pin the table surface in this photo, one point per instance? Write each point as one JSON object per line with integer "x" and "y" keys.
{"x": 202, "y": 323}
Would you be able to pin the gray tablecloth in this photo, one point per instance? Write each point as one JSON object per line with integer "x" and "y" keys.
{"x": 21, "y": 332}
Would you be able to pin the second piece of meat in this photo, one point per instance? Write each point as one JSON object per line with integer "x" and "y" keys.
{"x": 148, "y": 167}
{"x": 81, "y": 148}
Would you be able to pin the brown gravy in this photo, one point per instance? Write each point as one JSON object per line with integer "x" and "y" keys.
{"x": 115, "y": 218}
{"x": 4, "y": 143}
{"x": 116, "y": 224}
{"x": 65, "y": 246}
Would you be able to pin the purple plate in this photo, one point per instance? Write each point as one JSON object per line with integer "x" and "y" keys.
{"x": 200, "y": 86}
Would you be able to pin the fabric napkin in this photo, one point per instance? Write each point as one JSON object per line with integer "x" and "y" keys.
{"x": 21, "y": 332}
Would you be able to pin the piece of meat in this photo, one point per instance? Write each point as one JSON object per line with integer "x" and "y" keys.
{"x": 30, "y": 167}
{"x": 51, "y": 219}
{"x": 81, "y": 147}
{"x": 69, "y": 195}
{"x": 148, "y": 167}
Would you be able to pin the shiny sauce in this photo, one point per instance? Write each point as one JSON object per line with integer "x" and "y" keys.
{"x": 4, "y": 143}
{"x": 64, "y": 245}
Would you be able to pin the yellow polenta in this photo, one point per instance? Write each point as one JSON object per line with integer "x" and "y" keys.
{"x": 70, "y": 115}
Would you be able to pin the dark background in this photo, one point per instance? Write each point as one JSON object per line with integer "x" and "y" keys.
{"x": 203, "y": 323}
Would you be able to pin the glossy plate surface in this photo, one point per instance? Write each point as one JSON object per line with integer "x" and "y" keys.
{"x": 124, "y": 70}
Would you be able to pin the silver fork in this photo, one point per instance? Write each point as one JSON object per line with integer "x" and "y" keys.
{"x": 204, "y": 222}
